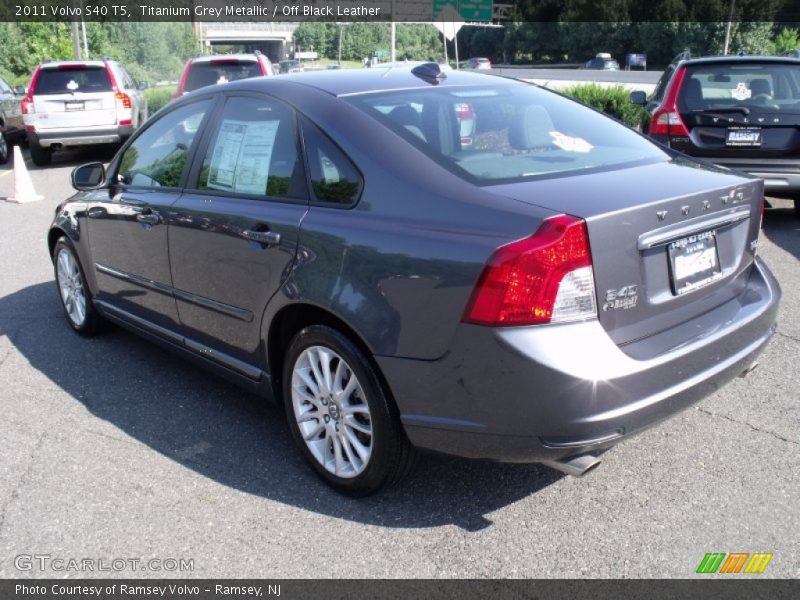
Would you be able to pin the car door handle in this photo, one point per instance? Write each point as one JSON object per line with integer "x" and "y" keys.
{"x": 268, "y": 238}
{"x": 151, "y": 218}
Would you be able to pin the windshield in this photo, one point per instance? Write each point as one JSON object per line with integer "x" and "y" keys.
{"x": 203, "y": 74}
{"x": 757, "y": 87}
{"x": 505, "y": 133}
{"x": 70, "y": 79}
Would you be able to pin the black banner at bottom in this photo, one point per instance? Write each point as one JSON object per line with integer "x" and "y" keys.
{"x": 402, "y": 589}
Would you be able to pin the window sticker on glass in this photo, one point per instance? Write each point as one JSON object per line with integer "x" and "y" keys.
{"x": 569, "y": 143}
{"x": 741, "y": 91}
{"x": 242, "y": 155}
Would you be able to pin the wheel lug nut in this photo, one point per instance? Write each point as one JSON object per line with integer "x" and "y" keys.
{"x": 327, "y": 418}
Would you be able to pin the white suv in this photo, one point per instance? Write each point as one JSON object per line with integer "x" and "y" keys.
{"x": 80, "y": 103}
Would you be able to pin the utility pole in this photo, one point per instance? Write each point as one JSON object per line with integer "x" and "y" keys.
{"x": 728, "y": 28}
{"x": 76, "y": 35}
{"x": 394, "y": 32}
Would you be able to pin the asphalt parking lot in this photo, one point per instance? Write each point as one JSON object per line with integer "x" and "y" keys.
{"x": 112, "y": 448}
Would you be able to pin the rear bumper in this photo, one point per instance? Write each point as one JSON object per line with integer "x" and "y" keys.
{"x": 780, "y": 176}
{"x": 535, "y": 393}
{"x": 80, "y": 137}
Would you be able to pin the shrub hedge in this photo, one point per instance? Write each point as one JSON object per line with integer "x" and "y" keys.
{"x": 613, "y": 101}
{"x": 157, "y": 97}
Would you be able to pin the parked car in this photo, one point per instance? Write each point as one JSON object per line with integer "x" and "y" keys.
{"x": 202, "y": 71}
{"x": 554, "y": 288}
{"x": 290, "y": 66}
{"x": 12, "y": 128}
{"x": 738, "y": 112}
{"x": 80, "y": 103}
{"x": 478, "y": 63}
{"x": 603, "y": 62}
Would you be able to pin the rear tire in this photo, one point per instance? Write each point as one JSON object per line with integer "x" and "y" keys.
{"x": 76, "y": 300}
{"x": 41, "y": 157}
{"x": 340, "y": 416}
{"x": 5, "y": 148}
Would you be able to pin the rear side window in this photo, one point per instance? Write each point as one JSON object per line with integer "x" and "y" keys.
{"x": 333, "y": 176}
{"x": 754, "y": 87}
{"x": 69, "y": 79}
{"x": 158, "y": 156}
{"x": 202, "y": 74}
{"x": 505, "y": 133}
{"x": 254, "y": 151}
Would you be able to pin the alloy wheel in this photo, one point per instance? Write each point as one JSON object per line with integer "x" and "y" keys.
{"x": 70, "y": 285}
{"x": 331, "y": 412}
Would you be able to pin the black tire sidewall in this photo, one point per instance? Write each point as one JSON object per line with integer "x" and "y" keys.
{"x": 5, "y": 159}
{"x": 90, "y": 322}
{"x": 387, "y": 436}
{"x": 41, "y": 157}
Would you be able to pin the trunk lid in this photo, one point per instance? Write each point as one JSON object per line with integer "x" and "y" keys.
{"x": 650, "y": 228}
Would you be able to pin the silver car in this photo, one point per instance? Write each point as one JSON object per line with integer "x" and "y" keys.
{"x": 80, "y": 103}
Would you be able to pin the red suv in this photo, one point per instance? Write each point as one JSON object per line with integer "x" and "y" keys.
{"x": 202, "y": 71}
{"x": 739, "y": 112}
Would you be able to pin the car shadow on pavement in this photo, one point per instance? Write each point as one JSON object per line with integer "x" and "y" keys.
{"x": 782, "y": 227}
{"x": 71, "y": 157}
{"x": 235, "y": 438}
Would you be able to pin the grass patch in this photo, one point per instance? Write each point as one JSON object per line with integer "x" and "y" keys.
{"x": 158, "y": 97}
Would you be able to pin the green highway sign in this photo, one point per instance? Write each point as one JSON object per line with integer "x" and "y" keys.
{"x": 470, "y": 10}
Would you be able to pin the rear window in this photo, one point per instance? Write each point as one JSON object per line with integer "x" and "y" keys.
{"x": 757, "y": 87}
{"x": 507, "y": 133}
{"x": 69, "y": 80}
{"x": 202, "y": 74}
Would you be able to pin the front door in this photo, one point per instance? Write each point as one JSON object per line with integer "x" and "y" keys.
{"x": 128, "y": 226}
{"x": 234, "y": 232}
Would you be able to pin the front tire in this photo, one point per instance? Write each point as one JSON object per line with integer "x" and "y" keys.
{"x": 340, "y": 416}
{"x": 72, "y": 290}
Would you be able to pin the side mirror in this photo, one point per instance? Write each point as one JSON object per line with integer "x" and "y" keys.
{"x": 639, "y": 98}
{"x": 20, "y": 90}
{"x": 88, "y": 177}
{"x": 143, "y": 85}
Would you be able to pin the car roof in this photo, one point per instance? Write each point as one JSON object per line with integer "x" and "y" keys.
{"x": 54, "y": 64}
{"x": 215, "y": 57}
{"x": 345, "y": 82}
{"x": 741, "y": 59}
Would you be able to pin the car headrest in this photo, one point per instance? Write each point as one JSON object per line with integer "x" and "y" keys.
{"x": 691, "y": 96}
{"x": 760, "y": 86}
{"x": 531, "y": 128}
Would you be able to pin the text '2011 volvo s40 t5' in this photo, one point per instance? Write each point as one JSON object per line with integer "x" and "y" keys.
{"x": 330, "y": 241}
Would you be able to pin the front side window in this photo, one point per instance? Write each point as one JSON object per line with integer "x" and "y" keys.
{"x": 254, "y": 151}
{"x": 158, "y": 156}
{"x": 748, "y": 86}
{"x": 508, "y": 132}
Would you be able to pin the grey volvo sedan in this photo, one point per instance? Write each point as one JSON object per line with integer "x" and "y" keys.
{"x": 417, "y": 259}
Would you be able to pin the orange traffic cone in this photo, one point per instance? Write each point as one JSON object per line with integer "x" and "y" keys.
{"x": 23, "y": 186}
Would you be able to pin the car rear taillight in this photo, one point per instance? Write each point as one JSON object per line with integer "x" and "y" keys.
{"x": 464, "y": 111}
{"x": 123, "y": 100}
{"x": 666, "y": 120}
{"x": 26, "y": 104}
{"x": 544, "y": 278}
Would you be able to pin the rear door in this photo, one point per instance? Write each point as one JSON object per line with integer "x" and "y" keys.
{"x": 128, "y": 226}
{"x": 234, "y": 232}
{"x": 739, "y": 110}
{"x": 73, "y": 95}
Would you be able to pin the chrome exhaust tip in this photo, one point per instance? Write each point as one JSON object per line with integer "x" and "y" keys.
{"x": 575, "y": 466}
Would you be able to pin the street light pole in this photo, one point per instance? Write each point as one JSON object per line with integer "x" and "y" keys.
{"x": 394, "y": 32}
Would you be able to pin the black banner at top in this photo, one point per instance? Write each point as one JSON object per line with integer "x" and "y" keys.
{"x": 475, "y": 11}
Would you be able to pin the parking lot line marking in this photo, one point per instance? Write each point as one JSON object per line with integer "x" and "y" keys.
{"x": 4, "y": 173}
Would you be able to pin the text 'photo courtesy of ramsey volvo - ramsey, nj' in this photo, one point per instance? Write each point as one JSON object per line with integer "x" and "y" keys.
{"x": 423, "y": 259}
